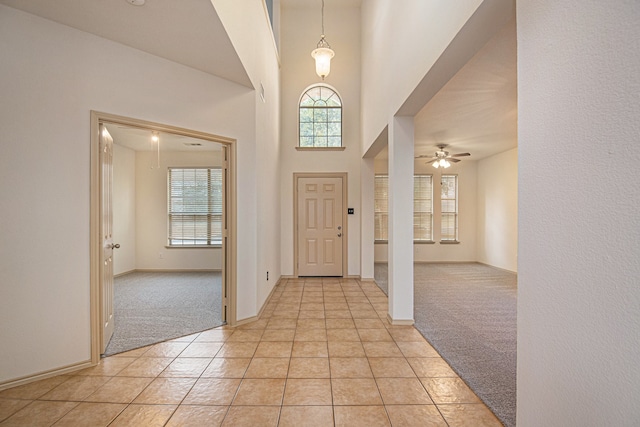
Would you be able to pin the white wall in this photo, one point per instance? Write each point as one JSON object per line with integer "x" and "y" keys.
{"x": 579, "y": 228}
{"x": 249, "y": 31}
{"x": 151, "y": 213}
{"x": 497, "y": 224}
{"x": 467, "y": 214}
{"x": 54, "y": 76}
{"x": 298, "y": 72}
{"x": 124, "y": 209}
{"x": 401, "y": 40}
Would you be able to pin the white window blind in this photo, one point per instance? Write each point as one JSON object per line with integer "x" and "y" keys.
{"x": 194, "y": 206}
{"x": 423, "y": 207}
{"x": 381, "y": 207}
{"x": 449, "y": 208}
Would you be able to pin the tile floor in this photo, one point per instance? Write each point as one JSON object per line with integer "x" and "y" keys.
{"x": 322, "y": 354}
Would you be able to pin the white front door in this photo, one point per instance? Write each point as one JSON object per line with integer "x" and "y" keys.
{"x": 106, "y": 233}
{"x": 320, "y": 228}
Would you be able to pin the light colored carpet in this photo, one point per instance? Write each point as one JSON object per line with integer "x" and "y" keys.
{"x": 155, "y": 307}
{"x": 468, "y": 313}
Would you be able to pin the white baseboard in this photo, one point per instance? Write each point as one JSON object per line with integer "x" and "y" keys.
{"x": 45, "y": 374}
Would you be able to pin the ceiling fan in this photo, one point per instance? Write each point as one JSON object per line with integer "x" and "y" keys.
{"x": 442, "y": 159}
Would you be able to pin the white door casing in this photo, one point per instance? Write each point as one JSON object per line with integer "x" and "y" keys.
{"x": 320, "y": 228}
{"x": 106, "y": 227}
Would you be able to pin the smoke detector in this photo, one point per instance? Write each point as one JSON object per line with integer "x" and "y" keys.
{"x": 136, "y": 2}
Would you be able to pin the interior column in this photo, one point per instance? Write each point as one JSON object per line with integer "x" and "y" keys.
{"x": 367, "y": 224}
{"x": 400, "y": 224}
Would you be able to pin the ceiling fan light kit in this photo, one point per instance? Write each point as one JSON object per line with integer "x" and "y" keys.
{"x": 442, "y": 159}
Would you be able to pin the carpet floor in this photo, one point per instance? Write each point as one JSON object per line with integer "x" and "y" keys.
{"x": 468, "y": 313}
{"x": 155, "y": 307}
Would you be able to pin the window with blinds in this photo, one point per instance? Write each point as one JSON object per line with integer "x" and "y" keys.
{"x": 422, "y": 207}
{"x": 194, "y": 206}
{"x": 449, "y": 208}
{"x": 381, "y": 207}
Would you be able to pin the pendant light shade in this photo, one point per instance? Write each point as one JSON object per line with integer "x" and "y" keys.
{"x": 323, "y": 53}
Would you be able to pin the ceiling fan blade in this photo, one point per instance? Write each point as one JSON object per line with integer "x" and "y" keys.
{"x": 425, "y": 156}
{"x": 453, "y": 160}
{"x": 461, "y": 155}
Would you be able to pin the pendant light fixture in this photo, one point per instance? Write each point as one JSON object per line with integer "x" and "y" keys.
{"x": 323, "y": 53}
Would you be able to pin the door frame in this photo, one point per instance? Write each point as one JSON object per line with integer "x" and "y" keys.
{"x": 345, "y": 229}
{"x": 229, "y": 233}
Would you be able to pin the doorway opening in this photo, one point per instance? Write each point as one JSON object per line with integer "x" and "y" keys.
{"x": 163, "y": 225}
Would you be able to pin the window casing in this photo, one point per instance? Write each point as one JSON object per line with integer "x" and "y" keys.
{"x": 449, "y": 208}
{"x": 194, "y": 207}
{"x": 320, "y": 118}
{"x": 422, "y": 208}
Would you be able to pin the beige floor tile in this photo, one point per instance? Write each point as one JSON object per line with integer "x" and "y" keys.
{"x": 119, "y": 390}
{"x": 309, "y": 367}
{"x": 39, "y": 413}
{"x": 311, "y": 314}
{"x": 374, "y": 335}
{"x": 260, "y": 392}
{"x": 431, "y": 367}
{"x": 271, "y": 367}
{"x": 359, "y": 391}
{"x": 198, "y": 416}
{"x": 312, "y": 299}
{"x": 166, "y": 391}
{"x": 9, "y": 407}
{"x": 471, "y": 415}
{"x": 365, "y": 314}
{"x": 133, "y": 353}
{"x": 201, "y": 349}
{"x": 311, "y": 335}
{"x": 346, "y": 349}
{"x": 226, "y": 368}
{"x": 187, "y": 367}
{"x": 109, "y": 366}
{"x": 381, "y": 349}
{"x": 307, "y": 416}
{"x": 307, "y": 392}
{"x": 245, "y": 336}
{"x": 91, "y": 414}
{"x": 391, "y": 367}
{"x": 186, "y": 338}
{"x": 212, "y": 391}
{"x": 406, "y": 333}
{"x": 337, "y": 313}
{"x": 340, "y": 323}
{"x": 415, "y": 415}
{"x": 144, "y": 416}
{"x": 417, "y": 349}
{"x": 252, "y": 416}
{"x": 35, "y": 389}
{"x": 256, "y": 324}
{"x": 309, "y": 349}
{"x": 281, "y": 324}
{"x": 369, "y": 324}
{"x": 449, "y": 390}
{"x": 350, "y": 367}
{"x": 360, "y": 416}
{"x": 310, "y": 324}
{"x": 238, "y": 349}
{"x": 146, "y": 367}
{"x": 76, "y": 388}
{"x": 214, "y": 335}
{"x": 402, "y": 391}
{"x": 165, "y": 349}
{"x": 343, "y": 335}
{"x": 359, "y": 305}
{"x": 274, "y": 349}
{"x": 312, "y": 306}
{"x": 278, "y": 335}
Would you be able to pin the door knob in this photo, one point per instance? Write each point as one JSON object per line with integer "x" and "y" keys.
{"x": 115, "y": 245}
{"x": 339, "y": 234}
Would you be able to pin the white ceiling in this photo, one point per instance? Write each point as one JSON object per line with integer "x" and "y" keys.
{"x": 186, "y": 32}
{"x": 139, "y": 139}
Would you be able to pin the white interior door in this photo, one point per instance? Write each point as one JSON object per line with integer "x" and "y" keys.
{"x": 106, "y": 228}
{"x": 320, "y": 228}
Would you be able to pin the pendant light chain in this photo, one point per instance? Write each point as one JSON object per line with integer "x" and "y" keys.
{"x": 322, "y": 18}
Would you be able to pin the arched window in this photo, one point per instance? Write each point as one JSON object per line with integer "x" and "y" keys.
{"x": 320, "y": 118}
